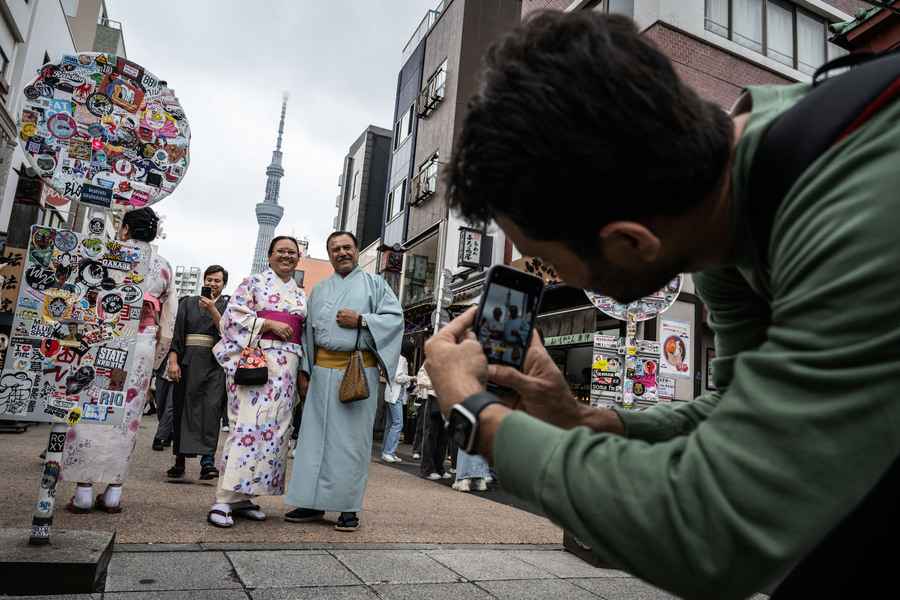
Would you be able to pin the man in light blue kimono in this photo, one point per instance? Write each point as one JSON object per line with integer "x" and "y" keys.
{"x": 332, "y": 460}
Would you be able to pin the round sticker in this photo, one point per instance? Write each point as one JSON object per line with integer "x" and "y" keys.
{"x": 56, "y": 308}
{"x": 99, "y": 157}
{"x": 92, "y": 246}
{"x": 62, "y": 126}
{"x": 32, "y": 93}
{"x": 111, "y": 305}
{"x": 42, "y": 238}
{"x": 132, "y": 294}
{"x": 96, "y": 226}
{"x": 49, "y": 348}
{"x": 66, "y": 241}
{"x": 92, "y": 273}
{"x": 123, "y": 167}
{"x": 46, "y": 162}
{"x": 74, "y": 416}
{"x": 96, "y": 130}
{"x": 40, "y": 278}
{"x": 99, "y": 104}
{"x": 161, "y": 157}
{"x": 29, "y": 130}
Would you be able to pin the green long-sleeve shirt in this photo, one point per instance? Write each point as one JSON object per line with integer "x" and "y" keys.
{"x": 720, "y": 496}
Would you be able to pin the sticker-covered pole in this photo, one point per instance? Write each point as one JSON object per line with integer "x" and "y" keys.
{"x": 42, "y": 518}
{"x": 630, "y": 361}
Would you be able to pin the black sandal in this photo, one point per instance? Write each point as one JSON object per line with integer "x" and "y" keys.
{"x": 175, "y": 472}
{"x": 347, "y": 522}
{"x": 207, "y": 473}
{"x": 251, "y": 512}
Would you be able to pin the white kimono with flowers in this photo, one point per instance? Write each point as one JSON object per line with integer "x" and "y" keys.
{"x": 253, "y": 458}
{"x": 102, "y": 453}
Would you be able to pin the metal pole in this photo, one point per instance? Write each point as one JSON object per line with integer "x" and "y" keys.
{"x": 42, "y": 518}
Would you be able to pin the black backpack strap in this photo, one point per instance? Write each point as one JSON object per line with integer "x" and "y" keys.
{"x": 834, "y": 108}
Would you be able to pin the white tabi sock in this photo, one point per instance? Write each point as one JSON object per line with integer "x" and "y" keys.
{"x": 84, "y": 496}
{"x": 113, "y": 495}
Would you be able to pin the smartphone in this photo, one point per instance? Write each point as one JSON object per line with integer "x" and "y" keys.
{"x": 507, "y": 314}
{"x": 206, "y": 292}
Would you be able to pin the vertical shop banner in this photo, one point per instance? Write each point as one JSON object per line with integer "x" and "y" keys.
{"x": 606, "y": 371}
{"x": 643, "y": 378}
{"x": 676, "y": 348}
{"x": 73, "y": 332}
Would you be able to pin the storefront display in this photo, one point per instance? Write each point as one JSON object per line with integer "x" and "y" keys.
{"x": 676, "y": 348}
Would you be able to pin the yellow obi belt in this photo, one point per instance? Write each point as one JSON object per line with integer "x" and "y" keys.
{"x": 200, "y": 340}
{"x": 335, "y": 359}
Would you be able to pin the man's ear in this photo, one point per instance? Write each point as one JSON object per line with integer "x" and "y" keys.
{"x": 626, "y": 241}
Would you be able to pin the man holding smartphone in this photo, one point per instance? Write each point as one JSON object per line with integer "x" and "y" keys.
{"x": 587, "y": 148}
{"x": 199, "y": 380}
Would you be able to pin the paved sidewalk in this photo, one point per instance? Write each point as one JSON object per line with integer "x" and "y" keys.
{"x": 359, "y": 572}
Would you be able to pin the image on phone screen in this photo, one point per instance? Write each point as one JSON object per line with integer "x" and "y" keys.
{"x": 506, "y": 320}
{"x": 206, "y": 292}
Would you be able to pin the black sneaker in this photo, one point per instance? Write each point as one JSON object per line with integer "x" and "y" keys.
{"x": 303, "y": 515}
{"x": 157, "y": 444}
{"x": 175, "y": 472}
{"x": 348, "y": 521}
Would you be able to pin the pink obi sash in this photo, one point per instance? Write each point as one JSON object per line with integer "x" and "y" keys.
{"x": 150, "y": 312}
{"x": 295, "y": 321}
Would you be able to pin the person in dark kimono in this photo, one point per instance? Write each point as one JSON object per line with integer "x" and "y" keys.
{"x": 199, "y": 379}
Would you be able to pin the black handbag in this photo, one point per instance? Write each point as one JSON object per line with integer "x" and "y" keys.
{"x": 252, "y": 368}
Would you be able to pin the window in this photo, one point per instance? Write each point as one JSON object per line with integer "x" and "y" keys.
{"x": 433, "y": 93}
{"x": 622, "y": 7}
{"x": 403, "y": 127}
{"x": 776, "y": 28}
{"x": 355, "y": 189}
{"x": 426, "y": 180}
{"x": 395, "y": 200}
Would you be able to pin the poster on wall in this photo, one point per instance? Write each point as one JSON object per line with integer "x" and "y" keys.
{"x": 675, "y": 337}
{"x": 73, "y": 333}
{"x": 102, "y": 130}
{"x": 606, "y": 371}
{"x": 643, "y": 377}
{"x": 665, "y": 388}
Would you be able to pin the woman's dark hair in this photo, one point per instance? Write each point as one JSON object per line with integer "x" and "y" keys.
{"x": 277, "y": 239}
{"x": 211, "y": 269}
{"x": 142, "y": 224}
{"x": 580, "y": 110}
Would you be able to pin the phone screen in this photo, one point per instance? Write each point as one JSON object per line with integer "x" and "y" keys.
{"x": 506, "y": 319}
{"x": 206, "y": 292}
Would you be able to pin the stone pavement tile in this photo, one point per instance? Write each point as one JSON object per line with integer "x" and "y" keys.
{"x": 56, "y": 597}
{"x": 395, "y": 566}
{"x": 540, "y": 589}
{"x": 287, "y": 569}
{"x": 157, "y": 548}
{"x": 613, "y": 588}
{"x": 564, "y": 564}
{"x": 138, "y": 572}
{"x": 431, "y": 591}
{"x": 356, "y": 592}
{"x": 182, "y": 595}
{"x": 483, "y": 565}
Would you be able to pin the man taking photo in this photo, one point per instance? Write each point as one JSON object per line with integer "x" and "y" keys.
{"x": 588, "y": 150}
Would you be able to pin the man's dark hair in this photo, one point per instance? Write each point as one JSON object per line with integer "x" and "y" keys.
{"x": 340, "y": 233}
{"x": 278, "y": 238}
{"x": 211, "y": 269}
{"x": 581, "y": 111}
{"x": 143, "y": 224}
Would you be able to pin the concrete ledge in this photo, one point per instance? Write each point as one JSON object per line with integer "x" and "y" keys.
{"x": 74, "y": 562}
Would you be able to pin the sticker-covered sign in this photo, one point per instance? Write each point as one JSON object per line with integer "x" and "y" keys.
{"x": 100, "y": 129}
{"x": 73, "y": 333}
{"x": 642, "y": 377}
{"x": 640, "y": 310}
{"x": 606, "y": 371}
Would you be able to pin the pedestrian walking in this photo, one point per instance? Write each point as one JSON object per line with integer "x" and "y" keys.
{"x": 395, "y": 397}
{"x": 199, "y": 379}
{"x": 434, "y": 434}
{"x": 98, "y": 454}
{"x": 785, "y": 211}
{"x": 261, "y": 328}
{"x": 350, "y": 310}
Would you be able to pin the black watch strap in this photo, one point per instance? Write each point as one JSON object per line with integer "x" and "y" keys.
{"x": 464, "y": 419}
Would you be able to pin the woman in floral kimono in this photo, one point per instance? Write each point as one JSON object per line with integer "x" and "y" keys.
{"x": 268, "y": 311}
{"x": 101, "y": 454}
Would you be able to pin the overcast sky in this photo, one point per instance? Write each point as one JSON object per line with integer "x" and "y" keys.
{"x": 228, "y": 62}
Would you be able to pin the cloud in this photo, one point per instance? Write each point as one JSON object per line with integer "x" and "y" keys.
{"x": 228, "y": 62}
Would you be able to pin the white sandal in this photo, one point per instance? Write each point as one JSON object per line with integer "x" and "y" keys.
{"x": 220, "y": 516}
{"x": 250, "y": 512}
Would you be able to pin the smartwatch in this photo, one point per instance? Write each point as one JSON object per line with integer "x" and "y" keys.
{"x": 463, "y": 422}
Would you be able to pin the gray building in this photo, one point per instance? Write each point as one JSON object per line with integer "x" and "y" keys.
{"x": 360, "y": 201}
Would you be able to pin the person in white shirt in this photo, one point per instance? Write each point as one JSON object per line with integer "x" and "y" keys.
{"x": 395, "y": 397}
